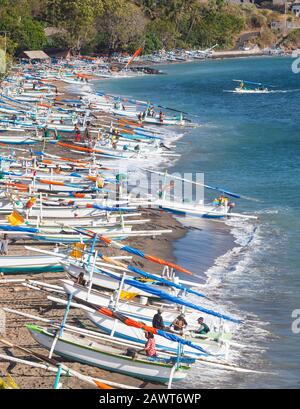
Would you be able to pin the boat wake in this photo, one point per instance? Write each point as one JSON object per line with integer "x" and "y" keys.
{"x": 277, "y": 91}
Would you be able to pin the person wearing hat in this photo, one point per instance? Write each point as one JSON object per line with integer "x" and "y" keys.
{"x": 158, "y": 321}
{"x": 203, "y": 328}
{"x": 179, "y": 323}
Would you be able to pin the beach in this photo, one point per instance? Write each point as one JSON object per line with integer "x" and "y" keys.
{"x": 235, "y": 262}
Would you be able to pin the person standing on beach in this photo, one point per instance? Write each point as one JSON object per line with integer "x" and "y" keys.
{"x": 161, "y": 117}
{"x": 77, "y": 134}
{"x": 46, "y": 132}
{"x": 4, "y": 245}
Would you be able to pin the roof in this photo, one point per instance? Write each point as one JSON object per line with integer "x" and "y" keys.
{"x": 35, "y": 55}
{"x": 54, "y": 52}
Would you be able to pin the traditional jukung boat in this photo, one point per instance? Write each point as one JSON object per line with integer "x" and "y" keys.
{"x": 106, "y": 282}
{"x": 18, "y": 140}
{"x": 109, "y": 357}
{"x": 132, "y": 309}
{"x": 249, "y": 87}
{"x": 30, "y": 264}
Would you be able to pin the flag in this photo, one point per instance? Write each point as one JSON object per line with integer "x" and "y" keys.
{"x": 102, "y": 385}
{"x": 126, "y": 295}
{"x": 113, "y": 261}
{"x": 15, "y": 219}
{"x": 78, "y": 250}
{"x": 30, "y": 202}
{"x": 138, "y": 52}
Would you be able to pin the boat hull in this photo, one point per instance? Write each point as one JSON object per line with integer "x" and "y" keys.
{"x": 92, "y": 355}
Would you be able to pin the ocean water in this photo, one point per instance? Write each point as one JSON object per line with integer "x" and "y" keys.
{"x": 249, "y": 144}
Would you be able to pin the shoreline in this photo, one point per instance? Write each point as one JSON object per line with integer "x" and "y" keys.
{"x": 220, "y": 55}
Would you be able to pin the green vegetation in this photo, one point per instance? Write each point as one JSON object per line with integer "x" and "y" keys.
{"x": 292, "y": 40}
{"x": 124, "y": 25}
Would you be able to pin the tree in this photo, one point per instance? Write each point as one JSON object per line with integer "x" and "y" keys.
{"x": 78, "y": 17}
{"x": 165, "y": 32}
{"x": 121, "y": 25}
{"x": 21, "y": 28}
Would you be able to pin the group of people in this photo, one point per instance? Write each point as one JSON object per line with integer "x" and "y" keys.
{"x": 179, "y": 324}
{"x": 118, "y": 105}
{"x": 151, "y": 113}
{"x": 223, "y": 201}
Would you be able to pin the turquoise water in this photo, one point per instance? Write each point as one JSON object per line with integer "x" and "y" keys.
{"x": 249, "y": 144}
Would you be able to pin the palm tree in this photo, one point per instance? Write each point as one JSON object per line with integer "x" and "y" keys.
{"x": 193, "y": 9}
{"x": 149, "y": 7}
{"x": 174, "y": 10}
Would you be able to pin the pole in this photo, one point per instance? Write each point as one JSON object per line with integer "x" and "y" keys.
{"x": 119, "y": 291}
{"x": 59, "y": 332}
{"x": 57, "y": 385}
{"x": 92, "y": 247}
{"x": 91, "y": 276}
{"x": 171, "y": 376}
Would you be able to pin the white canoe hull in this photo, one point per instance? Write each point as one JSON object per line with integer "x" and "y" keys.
{"x": 144, "y": 313}
{"x": 103, "y": 356}
{"x": 104, "y": 281}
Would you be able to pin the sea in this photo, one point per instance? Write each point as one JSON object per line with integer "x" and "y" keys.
{"x": 249, "y": 144}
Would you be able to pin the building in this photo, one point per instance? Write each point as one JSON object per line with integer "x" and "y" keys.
{"x": 59, "y": 53}
{"x": 295, "y": 8}
{"x": 34, "y": 56}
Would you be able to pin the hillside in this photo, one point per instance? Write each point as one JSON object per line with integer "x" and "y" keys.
{"x": 94, "y": 26}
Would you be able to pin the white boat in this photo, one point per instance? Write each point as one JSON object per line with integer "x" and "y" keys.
{"x": 108, "y": 356}
{"x": 30, "y": 264}
{"x": 176, "y": 120}
{"x": 212, "y": 343}
{"x": 18, "y": 140}
{"x": 251, "y": 91}
{"x": 117, "y": 234}
{"x": 249, "y": 87}
{"x": 135, "y": 310}
{"x": 63, "y": 128}
{"x": 106, "y": 282}
{"x": 197, "y": 209}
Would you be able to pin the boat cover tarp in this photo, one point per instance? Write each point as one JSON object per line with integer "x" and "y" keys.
{"x": 164, "y": 281}
{"x": 165, "y": 296}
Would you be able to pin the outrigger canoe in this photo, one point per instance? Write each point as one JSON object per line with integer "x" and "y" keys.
{"x": 108, "y": 356}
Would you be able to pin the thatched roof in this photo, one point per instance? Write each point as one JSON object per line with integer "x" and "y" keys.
{"x": 58, "y": 53}
{"x": 35, "y": 55}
